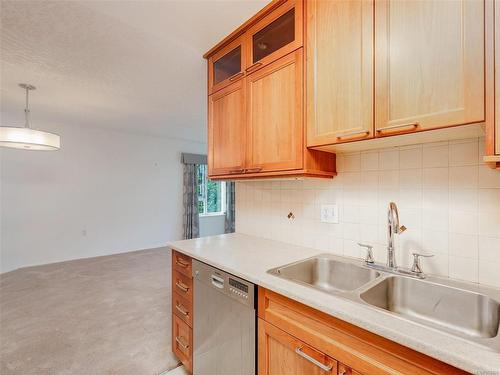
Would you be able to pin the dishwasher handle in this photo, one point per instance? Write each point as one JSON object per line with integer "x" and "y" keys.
{"x": 217, "y": 281}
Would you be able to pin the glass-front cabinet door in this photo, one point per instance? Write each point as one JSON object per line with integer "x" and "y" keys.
{"x": 226, "y": 66}
{"x": 275, "y": 35}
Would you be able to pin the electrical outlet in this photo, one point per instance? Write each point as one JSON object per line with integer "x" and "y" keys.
{"x": 329, "y": 213}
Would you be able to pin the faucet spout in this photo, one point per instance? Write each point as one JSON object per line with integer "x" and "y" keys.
{"x": 392, "y": 228}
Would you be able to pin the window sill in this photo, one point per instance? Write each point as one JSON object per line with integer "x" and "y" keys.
{"x": 211, "y": 214}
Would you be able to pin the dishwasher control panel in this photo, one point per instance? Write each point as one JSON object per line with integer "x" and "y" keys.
{"x": 238, "y": 288}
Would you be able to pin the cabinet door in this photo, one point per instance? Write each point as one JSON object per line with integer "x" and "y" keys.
{"x": 339, "y": 66}
{"x": 429, "y": 64}
{"x": 226, "y": 66}
{"x": 283, "y": 354}
{"x": 226, "y": 130}
{"x": 346, "y": 370}
{"x": 276, "y": 35}
{"x": 497, "y": 76}
{"x": 275, "y": 123}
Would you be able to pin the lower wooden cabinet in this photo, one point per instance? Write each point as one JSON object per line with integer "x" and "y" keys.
{"x": 298, "y": 340}
{"x": 283, "y": 354}
{"x": 182, "y": 308}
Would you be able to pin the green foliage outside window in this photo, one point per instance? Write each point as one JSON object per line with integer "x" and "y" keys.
{"x": 210, "y": 193}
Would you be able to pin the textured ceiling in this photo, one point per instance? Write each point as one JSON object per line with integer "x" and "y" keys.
{"x": 130, "y": 65}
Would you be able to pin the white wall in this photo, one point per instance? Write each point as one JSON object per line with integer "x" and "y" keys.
{"x": 104, "y": 192}
{"x": 448, "y": 199}
{"x": 211, "y": 225}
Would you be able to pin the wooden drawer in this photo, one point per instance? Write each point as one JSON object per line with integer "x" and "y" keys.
{"x": 355, "y": 347}
{"x": 182, "y": 263}
{"x": 183, "y": 308}
{"x": 182, "y": 284}
{"x": 182, "y": 342}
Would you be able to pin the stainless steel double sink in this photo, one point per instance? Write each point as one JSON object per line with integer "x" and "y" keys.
{"x": 469, "y": 311}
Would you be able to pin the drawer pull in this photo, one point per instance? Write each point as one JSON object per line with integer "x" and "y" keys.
{"x": 253, "y": 170}
{"x": 414, "y": 125}
{"x": 181, "y": 342}
{"x": 307, "y": 357}
{"x": 359, "y": 134}
{"x": 241, "y": 170}
{"x": 236, "y": 76}
{"x": 182, "y": 286}
{"x": 253, "y": 67}
{"x": 181, "y": 310}
{"x": 180, "y": 263}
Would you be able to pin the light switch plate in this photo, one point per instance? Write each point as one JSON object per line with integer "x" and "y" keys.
{"x": 329, "y": 213}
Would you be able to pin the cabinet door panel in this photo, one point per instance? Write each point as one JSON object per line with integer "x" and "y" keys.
{"x": 278, "y": 354}
{"x": 226, "y": 130}
{"x": 275, "y": 123}
{"x": 275, "y": 35}
{"x": 497, "y": 76}
{"x": 429, "y": 64}
{"x": 226, "y": 66}
{"x": 339, "y": 65}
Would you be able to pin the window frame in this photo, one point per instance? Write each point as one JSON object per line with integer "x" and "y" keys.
{"x": 204, "y": 185}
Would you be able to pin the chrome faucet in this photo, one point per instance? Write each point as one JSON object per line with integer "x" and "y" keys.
{"x": 392, "y": 228}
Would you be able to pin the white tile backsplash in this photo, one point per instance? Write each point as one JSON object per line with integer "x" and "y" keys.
{"x": 447, "y": 198}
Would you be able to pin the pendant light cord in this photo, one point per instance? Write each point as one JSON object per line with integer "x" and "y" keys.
{"x": 27, "y": 110}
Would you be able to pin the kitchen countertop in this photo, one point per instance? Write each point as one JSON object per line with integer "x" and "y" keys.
{"x": 251, "y": 257}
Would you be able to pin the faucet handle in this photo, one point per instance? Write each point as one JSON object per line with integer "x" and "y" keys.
{"x": 416, "y": 267}
{"x": 369, "y": 252}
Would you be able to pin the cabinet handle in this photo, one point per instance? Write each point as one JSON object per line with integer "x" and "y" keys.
{"x": 234, "y": 171}
{"x": 181, "y": 310}
{"x": 253, "y": 170}
{"x": 236, "y": 76}
{"x": 414, "y": 125}
{"x": 253, "y": 67}
{"x": 181, "y": 343}
{"x": 326, "y": 368}
{"x": 181, "y": 263}
{"x": 182, "y": 286}
{"x": 359, "y": 134}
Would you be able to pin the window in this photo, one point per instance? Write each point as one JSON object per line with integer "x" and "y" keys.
{"x": 211, "y": 194}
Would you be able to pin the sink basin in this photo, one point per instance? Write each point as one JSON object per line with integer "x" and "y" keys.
{"x": 323, "y": 272}
{"x": 460, "y": 311}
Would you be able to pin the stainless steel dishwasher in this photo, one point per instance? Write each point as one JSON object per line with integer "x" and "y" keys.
{"x": 224, "y": 323}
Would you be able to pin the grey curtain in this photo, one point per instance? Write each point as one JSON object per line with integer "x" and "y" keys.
{"x": 230, "y": 197}
{"x": 191, "y": 221}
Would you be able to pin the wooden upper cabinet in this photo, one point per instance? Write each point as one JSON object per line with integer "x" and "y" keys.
{"x": 275, "y": 35}
{"x": 282, "y": 354}
{"x": 496, "y": 136}
{"x": 429, "y": 64}
{"x": 274, "y": 121}
{"x": 227, "y": 130}
{"x": 226, "y": 65}
{"x": 339, "y": 66}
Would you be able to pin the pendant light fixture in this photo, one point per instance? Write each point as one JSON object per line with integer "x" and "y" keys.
{"x": 27, "y": 138}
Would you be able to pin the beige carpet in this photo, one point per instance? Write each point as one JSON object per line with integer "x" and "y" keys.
{"x": 105, "y": 315}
